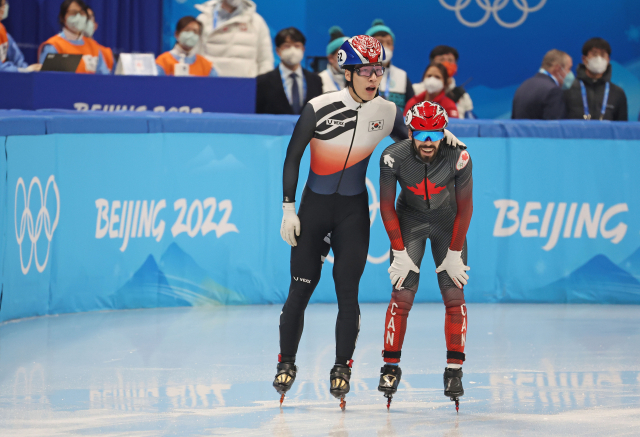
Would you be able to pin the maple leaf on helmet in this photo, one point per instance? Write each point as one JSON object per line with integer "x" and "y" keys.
{"x": 426, "y": 116}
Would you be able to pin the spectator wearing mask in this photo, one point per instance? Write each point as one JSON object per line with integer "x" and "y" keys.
{"x": 448, "y": 56}
{"x": 183, "y": 60}
{"x": 592, "y": 95}
{"x": 333, "y": 77}
{"x": 540, "y": 97}
{"x": 436, "y": 80}
{"x": 236, "y": 38}
{"x": 395, "y": 86}
{"x": 11, "y": 57}
{"x": 89, "y": 30}
{"x": 288, "y": 88}
{"x": 71, "y": 41}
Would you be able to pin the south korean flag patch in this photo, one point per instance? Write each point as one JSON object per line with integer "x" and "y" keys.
{"x": 463, "y": 160}
{"x": 376, "y": 125}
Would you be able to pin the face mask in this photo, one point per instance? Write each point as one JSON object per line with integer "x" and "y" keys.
{"x": 234, "y": 3}
{"x": 188, "y": 39}
{"x": 597, "y": 65}
{"x": 292, "y": 56}
{"x": 5, "y": 14}
{"x": 77, "y": 23}
{"x": 452, "y": 68}
{"x": 389, "y": 53}
{"x": 90, "y": 28}
{"x": 433, "y": 85}
{"x": 568, "y": 80}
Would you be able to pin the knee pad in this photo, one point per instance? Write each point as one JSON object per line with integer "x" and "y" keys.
{"x": 452, "y": 297}
{"x": 401, "y": 302}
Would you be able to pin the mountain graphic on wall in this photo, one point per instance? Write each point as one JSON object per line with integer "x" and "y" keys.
{"x": 632, "y": 264}
{"x": 193, "y": 283}
{"x": 177, "y": 281}
{"x": 599, "y": 280}
{"x": 148, "y": 288}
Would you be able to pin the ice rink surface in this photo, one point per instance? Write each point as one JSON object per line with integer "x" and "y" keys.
{"x": 531, "y": 370}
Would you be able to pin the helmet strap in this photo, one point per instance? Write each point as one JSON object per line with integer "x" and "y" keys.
{"x": 350, "y": 84}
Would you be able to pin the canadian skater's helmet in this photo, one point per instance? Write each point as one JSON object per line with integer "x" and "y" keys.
{"x": 361, "y": 50}
{"x": 426, "y": 116}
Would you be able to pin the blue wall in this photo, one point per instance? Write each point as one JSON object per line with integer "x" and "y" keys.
{"x": 553, "y": 221}
{"x": 493, "y": 58}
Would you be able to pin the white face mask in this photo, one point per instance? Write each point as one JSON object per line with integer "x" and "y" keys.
{"x": 5, "y": 14}
{"x": 597, "y": 65}
{"x": 90, "y": 28}
{"x": 188, "y": 39}
{"x": 77, "y": 23}
{"x": 433, "y": 85}
{"x": 389, "y": 53}
{"x": 292, "y": 56}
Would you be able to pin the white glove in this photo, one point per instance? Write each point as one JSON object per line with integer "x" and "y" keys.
{"x": 400, "y": 268}
{"x": 453, "y": 140}
{"x": 290, "y": 227}
{"x": 455, "y": 268}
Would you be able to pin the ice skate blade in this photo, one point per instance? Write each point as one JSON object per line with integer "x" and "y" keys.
{"x": 457, "y": 401}
{"x": 281, "y": 400}
{"x": 343, "y": 403}
{"x": 389, "y": 398}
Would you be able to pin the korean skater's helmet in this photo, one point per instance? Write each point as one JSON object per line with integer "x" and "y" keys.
{"x": 361, "y": 50}
{"x": 426, "y": 116}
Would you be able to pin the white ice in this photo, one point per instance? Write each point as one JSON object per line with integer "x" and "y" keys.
{"x": 531, "y": 370}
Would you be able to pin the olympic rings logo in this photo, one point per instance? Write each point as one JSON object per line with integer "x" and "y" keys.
{"x": 43, "y": 221}
{"x": 374, "y": 207}
{"x": 494, "y": 9}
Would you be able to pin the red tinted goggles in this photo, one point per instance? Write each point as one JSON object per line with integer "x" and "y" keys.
{"x": 368, "y": 70}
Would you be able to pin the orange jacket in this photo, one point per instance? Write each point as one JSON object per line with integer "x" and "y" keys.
{"x": 201, "y": 67}
{"x": 90, "y": 51}
{"x": 4, "y": 43}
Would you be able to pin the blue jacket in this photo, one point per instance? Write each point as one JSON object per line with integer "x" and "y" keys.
{"x": 15, "y": 59}
{"x": 539, "y": 98}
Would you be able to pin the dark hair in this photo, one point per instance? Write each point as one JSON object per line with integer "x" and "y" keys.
{"x": 382, "y": 34}
{"x": 64, "y": 7}
{"x": 185, "y": 21}
{"x": 596, "y": 43}
{"x": 290, "y": 32}
{"x": 443, "y": 71}
{"x": 443, "y": 50}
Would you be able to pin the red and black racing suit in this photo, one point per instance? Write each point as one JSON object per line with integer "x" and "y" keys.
{"x": 343, "y": 133}
{"x": 436, "y": 204}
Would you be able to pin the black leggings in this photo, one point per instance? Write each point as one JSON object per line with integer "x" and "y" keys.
{"x": 347, "y": 218}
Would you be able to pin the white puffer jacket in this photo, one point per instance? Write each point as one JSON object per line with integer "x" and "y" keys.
{"x": 240, "y": 46}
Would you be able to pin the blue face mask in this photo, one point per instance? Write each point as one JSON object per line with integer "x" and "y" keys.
{"x": 568, "y": 80}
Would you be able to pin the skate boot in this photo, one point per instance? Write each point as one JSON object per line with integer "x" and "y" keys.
{"x": 284, "y": 378}
{"x": 389, "y": 380}
{"x": 453, "y": 385}
{"x": 339, "y": 377}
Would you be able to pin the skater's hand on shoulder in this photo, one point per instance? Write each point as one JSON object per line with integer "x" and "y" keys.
{"x": 453, "y": 140}
{"x": 400, "y": 268}
{"x": 455, "y": 267}
{"x": 290, "y": 227}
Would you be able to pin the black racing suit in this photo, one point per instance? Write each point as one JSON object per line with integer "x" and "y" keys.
{"x": 436, "y": 204}
{"x": 342, "y": 134}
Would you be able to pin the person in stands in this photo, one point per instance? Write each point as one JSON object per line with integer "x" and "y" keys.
{"x": 235, "y": 38}
{"x": 395, "y": 86}
{"x": 436, "y": 80}
{"x": 89, "y": 30}
{"x": 288, "y": 88}
{"x": 183, "y": 60}
{"x": 333, "y": 76}
{"x": 11, "y": 57}
{"x": 73, "y": 18}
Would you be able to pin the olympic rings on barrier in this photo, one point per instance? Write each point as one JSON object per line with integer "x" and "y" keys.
{"x": 43, "y": 220}
{"x": 494, "y": 9}
{"x": 374, "y": 207}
